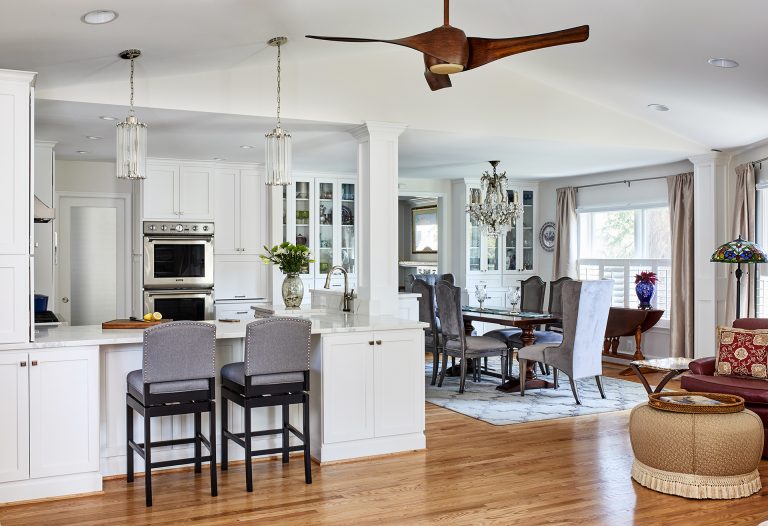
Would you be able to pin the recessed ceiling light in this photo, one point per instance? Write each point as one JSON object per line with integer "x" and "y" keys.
{"x": 658, "y": 107}
{"x": 99, "y": 16}
{"x": 93, "y": 137}
{"x": 82, "y": 152}
{"x": 723, "y": 63}
{"x": 219, "y": 159}
{"x": 247, "y": 147}
{"x": 107, "y": 118}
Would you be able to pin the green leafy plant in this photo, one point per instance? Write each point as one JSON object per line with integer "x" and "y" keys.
{"x": 289, "y": 258}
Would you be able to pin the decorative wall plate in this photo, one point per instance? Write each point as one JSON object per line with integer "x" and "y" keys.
{"x": 547, "y": 236}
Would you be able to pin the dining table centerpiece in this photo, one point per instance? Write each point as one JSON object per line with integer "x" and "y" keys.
{"x": 645, "y": 286}
{"x": 290, "y": 259}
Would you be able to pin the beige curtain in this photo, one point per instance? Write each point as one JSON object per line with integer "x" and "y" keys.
{"x": 680, "y": 192}
{"x": 743, "y": 225}
{"x": 566, "y": 246}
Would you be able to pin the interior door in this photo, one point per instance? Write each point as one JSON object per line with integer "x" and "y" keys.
{"x": 93, "y": 265}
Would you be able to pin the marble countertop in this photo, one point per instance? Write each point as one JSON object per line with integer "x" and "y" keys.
{"x": 326, "y": 322}
{"x": 340, "y": 292}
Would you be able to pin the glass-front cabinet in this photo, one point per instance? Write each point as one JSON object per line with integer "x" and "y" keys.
{"x": 320, "y": 213}
{"x": 506, "y": 259}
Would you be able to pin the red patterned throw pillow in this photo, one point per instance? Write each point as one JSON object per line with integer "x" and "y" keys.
{"x": 742, "y": 352}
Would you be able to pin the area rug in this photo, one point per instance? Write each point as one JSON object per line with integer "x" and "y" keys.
{"x": 482, "y": 400}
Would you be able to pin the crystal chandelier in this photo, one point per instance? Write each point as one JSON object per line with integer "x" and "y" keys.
{"x": 494, "y": 214}
{"x": 131, "y": 136}
{"x": 278, "y": 141}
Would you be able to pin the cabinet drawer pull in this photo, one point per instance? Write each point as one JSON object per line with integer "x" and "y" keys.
{"x": 242, "y": 312}
{"x": 23, "y": 364}
{"x": 370, "y": 342}
{"x": 378, "y": 342}
{"x": 34, "y": 363}
{"x": 239, "y": 296}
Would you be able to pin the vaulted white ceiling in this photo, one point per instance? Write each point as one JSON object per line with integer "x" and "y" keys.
{"x": 559, "y": 111}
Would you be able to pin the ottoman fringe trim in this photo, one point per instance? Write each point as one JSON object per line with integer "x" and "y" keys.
{"x": 696, "y": 486}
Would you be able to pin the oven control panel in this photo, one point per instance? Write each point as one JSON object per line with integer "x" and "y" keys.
{"x": 172, "y": 228}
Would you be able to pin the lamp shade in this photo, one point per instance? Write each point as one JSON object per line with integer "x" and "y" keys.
{"x": 739, "y": 251}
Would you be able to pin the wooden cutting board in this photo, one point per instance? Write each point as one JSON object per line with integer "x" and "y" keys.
{"x": 130, "y": 324}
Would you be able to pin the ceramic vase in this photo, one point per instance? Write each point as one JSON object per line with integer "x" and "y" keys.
{"x": 293, "y": 290}
{"x": 644, "y": 293}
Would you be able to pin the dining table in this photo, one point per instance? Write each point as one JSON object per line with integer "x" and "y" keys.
{"x": 527, "y": 323}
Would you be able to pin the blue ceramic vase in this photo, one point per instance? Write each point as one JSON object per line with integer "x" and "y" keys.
{"x": 644, "y": 293}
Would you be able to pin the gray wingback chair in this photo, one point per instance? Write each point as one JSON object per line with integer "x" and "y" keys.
{"x": 428, "y": 314}
{"x": 585, "y": 314}
{"x": 456, "y": 343}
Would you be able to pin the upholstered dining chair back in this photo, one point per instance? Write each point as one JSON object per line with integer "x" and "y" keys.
{"x": 426, "y": 303}
{"x": 277, "y": 345}
{"x": 585, "y": 315}
{"x": 532, "y": 294}
{"x": 449, "y": 306}
{"x": 179, "y": 350}
{"x": 556, "y": 299}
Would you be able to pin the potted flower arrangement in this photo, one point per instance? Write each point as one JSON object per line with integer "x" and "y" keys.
{"x": 645, "y": 286}
{"x": 290, "y": 259}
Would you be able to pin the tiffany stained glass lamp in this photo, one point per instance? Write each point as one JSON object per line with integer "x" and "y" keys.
{"x": 739, "y": 251}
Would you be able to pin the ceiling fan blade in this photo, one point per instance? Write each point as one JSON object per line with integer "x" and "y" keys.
{"x": 348, "y": 39}
{"x": 485, "y": 50}
{"x": 436, "y": 81}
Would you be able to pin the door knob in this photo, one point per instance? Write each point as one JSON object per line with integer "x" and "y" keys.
{"x": 65, "y": 300}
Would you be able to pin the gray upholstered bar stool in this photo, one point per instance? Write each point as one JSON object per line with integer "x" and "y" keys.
{"x": 177, "y": 378}
{"x": 275, "y": 373}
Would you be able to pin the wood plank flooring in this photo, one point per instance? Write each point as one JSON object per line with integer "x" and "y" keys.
{"x": 558, "y": 472}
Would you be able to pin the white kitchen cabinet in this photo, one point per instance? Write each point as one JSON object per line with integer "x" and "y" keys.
{"x": 50, "y": 415}
{"x": 14, "y": 414}
{"x": 239, "y": 278}
{"x": 180, "y": 190}
{"x": 235, "y": 310}
{"x": 15, "y": 311}
{"x": 240, "y": 211}
{"x": 372, "y": 393}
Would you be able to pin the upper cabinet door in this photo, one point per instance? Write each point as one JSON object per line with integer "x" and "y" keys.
{"x": 160, "y": 190}
{"x": 227, "y": 213}
{"x": 196, "y": 192}
{"x": 14, "y": 166}
{"x": 14, "y": 300}
{"x": 253, "y": 217}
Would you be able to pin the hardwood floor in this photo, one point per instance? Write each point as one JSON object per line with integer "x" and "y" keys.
{"x": 568, "y": 471}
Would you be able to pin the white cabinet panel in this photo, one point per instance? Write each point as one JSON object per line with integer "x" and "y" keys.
{"x": 227, "y": 213}
{"x": 196, "y": 192}
{"x": 14, "y": 415}
{"x": 64, "y": 411}
{"x": 253, "y": 217}
{"x": 348, "y": 409}
{"x": 239, "y": 278}
{"x": 15, "y": 166}
{"x": 14, "y": 300}
{"x": 234, "y": 311}
{"x": 398, "y": 383}
{"x": 160, "y": 191}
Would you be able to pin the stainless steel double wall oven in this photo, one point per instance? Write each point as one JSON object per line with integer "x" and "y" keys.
{"x": 178, "y": 270}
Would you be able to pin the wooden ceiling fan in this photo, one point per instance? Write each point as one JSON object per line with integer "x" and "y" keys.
{"x": 448, "y": 50}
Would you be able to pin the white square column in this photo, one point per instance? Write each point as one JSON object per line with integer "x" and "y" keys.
{"x": 710, "y": 230}
{"x": 377, "y": 271}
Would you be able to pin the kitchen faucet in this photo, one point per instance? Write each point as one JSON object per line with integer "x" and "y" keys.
{"x": 347, "y": 293}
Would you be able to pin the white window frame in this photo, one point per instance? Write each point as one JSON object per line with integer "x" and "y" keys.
{"x": 761, "y": 276}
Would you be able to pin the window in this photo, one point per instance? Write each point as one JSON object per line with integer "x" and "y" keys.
{"x": 617, "y": 244}
{"x": 761, "y": 226}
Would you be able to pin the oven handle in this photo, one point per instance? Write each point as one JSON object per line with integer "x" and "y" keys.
{"x": 151, "y": 293}
{"x": 178, "y": 239}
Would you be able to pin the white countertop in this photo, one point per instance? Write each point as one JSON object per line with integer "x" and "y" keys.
{"x": 340, "y": 292}
{"x": 328, "y": 322}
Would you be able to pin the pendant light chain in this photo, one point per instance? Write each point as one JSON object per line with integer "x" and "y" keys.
{"x": 278, "y": 85}
{"x": 132, "y": 112}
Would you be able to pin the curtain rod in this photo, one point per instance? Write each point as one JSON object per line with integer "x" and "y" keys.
{"x": 628, "y": 182}
{"x": 760, "y": 161}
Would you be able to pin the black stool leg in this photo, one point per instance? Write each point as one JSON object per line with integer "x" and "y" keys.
{"x": 224, "y": 428}
{"x": 247, "y": 439}
{"x": 212, "y": 440}
{"x": 305, "y": 430}
{"x": 129, "y": 449}
{"x": 198, "y": 442}
{"x": 147, "y": 458}
{"x": 285, "y": 433}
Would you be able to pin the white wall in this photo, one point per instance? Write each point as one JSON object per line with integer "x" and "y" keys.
{"x": 92, "y": 177}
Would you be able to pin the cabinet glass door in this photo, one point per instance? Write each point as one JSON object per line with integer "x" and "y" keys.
{"x": 511, "y": 244}
{"x": 302, "y": 198}
{"x": 348, "y": 227}
{"x": 492, "y": 252}
{"x": 474, "y": 235}
{"x": 528, "y": 229}
{"x": 325, "y": 227}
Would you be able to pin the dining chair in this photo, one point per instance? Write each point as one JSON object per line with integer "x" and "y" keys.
{"x": 554, "y": 331}
{"x": 455, "y": 341}
{"x": 428, "y": 314}
{"x": 585, "y": 315}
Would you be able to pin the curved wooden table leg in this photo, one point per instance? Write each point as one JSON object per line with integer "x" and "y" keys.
{"x": 640, "y": 375}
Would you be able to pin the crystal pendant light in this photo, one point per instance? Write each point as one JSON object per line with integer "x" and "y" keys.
{"x": 277, "y": 146}
{"x": 494, "y": 214}
{"x": 131, "y": 136}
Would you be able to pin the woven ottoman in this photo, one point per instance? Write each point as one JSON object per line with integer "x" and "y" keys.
{"x": 698, "y": 456}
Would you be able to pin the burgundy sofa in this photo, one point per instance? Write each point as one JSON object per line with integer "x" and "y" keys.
{"x": 755, "y": 392}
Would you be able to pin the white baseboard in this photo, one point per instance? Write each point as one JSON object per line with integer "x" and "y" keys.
{"x": 47, "y": 487}
{"x": 370, "y": 447}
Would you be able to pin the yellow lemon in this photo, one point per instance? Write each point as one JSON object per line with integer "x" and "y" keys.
{"x": 157, "y": 316}
{"x": 148, "y": 316}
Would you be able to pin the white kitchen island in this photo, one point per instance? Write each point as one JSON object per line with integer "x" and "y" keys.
{"x": 64, "y": 400}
